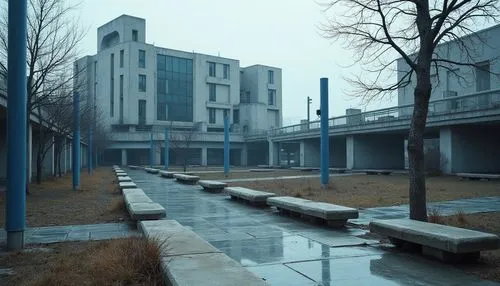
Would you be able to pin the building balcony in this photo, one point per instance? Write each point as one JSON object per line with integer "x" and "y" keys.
{"x": 217, "y": 80}
{"x": 218, "y": 105}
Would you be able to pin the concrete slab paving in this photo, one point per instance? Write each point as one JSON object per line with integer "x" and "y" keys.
{"x": 127, "y": 185}
{"x": 268, "y": 243}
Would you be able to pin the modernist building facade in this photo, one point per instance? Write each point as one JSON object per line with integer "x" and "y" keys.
{"x": 139, "y": 90}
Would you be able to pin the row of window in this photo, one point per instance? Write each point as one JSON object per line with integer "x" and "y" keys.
{"x": 142, "y": 58}
{"x": 212, "y": 70}
{"x": 212, "y": 119}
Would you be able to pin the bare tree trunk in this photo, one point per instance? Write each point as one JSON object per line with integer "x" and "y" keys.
{"x": 418, "y": 207}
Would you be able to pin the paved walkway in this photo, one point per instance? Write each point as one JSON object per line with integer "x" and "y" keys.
{"x": 281, "y": 178}
{"x": 52, "y": 234}
{"x": 287, "y": 251}
{"x": 468, "y": 206}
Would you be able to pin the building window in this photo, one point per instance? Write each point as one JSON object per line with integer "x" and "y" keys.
{"x": 482, "y": 76}
{"x": 121, "y": 99}
{"x": 121, "y": 58}
{"x": 226, "y": 71}
{"x": 236, "y": 116}
{"x": 211, "y": 69}
{"x": 112, "y": 87}
{"x": 270, "y": 77}
{"x": 211, "y": 115}
{"x": 134, "y": 35}
{"x": 142, "y": 112}
{"x": 271, "y": 97}
{"x": 174, "y": 88}
{"x": 212, "y": 96}
{"x": 142, "y": 59}
{"x": 142, "y": 82}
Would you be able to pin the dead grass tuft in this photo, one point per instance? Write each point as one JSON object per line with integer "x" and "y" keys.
{"x": 435, "y": 216}
{"x": 117, "y": 205}
{"x": 131, "y": 261}
{"x": 297, "y": 195}
{"x": 461, "y": 218}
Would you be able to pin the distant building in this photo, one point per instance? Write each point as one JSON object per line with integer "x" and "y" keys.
{"x": 141, "y": 89}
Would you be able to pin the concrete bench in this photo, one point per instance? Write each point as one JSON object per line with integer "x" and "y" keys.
{"x": 262, "y": 170}
{"x": 333, "y": 215}
{"x": 127, "y": 185}
{"x": 440, "y": 241}
{"x": 337, "y": 170}
{"x": 187, "y": 179}
{"x": 152, "y": 170}
{"x": 167, "y": 174}
{"x": 249, "y": 195}
{"x": 141, "y": 207}
{"x": 212, "y": 186}
{"x": 132, "y": 167}
{"x": 124, "y": 179}
{"x": 187, "y": 259}
{"x": 476, "y": 176}
{"x": 304, "y": 169}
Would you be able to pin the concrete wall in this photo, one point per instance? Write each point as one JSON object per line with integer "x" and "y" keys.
{"x": 310, "y": 153}
{"x": 471, "y": 149}
{"x": 337, "y": 150}
{"x": 484, "y": 46}
{"x": 375, "y": 151}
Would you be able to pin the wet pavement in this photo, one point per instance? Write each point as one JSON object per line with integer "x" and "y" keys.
{"x": 467, "y": 206}
{"x": 67, "y": 233}
{"x": 289, "y": 251}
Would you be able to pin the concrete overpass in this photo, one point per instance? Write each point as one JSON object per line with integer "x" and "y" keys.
{"x": 468, "y": 129}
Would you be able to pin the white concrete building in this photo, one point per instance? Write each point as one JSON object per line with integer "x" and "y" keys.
{"x": 141, "y": 89}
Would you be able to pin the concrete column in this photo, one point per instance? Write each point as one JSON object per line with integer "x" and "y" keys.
{"x": 349, "y": 149}
{"x": 204, "y": 156}
{"x": 272, "y": 153}
{"x": 375, "y": 151}
{"x": 445, "y": 148}
{"x": 302, "y": 153}
{"x": 469, "y": 149}
{"x": 30, "y": 152}
{"x": 244, "y": 155}
{"x": 124, "y": 157}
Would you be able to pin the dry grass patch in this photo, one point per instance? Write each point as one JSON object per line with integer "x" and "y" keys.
{"x": 248, "y": 174}
{"x": 364, "y": 191}
{"x": 488, "y": 266}
{"x": 54, "y": 202}
{"x": 131, "y": 261}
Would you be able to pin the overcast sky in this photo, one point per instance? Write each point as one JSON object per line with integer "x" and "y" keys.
{"x": 281, "y": 33}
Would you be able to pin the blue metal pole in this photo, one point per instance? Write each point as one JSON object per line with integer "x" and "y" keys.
{"x": 165, "y": 153}
{"x": 76, "y": 141}
{"x": 89, "y": 150}
{"x": 151, "y": 150}
{"x": 226, "y": 145}
{"x": 325, "y": 154}
{"x": 16, "y": 126}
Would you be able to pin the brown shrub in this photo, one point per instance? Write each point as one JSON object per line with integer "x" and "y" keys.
{"x": 435, "y": 216}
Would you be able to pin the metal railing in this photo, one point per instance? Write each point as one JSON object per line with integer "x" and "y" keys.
{"x": 472, "y": 102}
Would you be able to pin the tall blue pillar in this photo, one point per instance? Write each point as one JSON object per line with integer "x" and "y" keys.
{"x": 226, "y": 145}
{"x": 76, "y": 141}
{"x": 325, "y": 154}
{"x": 165, "y": 153}
{"x": 16, "y": 126}
{"x": 151, "y": 155}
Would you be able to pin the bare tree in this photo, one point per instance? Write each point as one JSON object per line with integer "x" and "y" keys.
{"x": 53, "y": 39}
{"x": 412, "y": 29}
{"x": 179, "y": 143}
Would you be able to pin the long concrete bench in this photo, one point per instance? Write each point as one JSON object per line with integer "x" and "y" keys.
{"x": 333, "y": 215}
{"x": 126, "y": 185}
{"x": 440, "y": 241}
{"x": 262, "y": 170}
{"x": 187, "y": 259}
{"x": 133, "y": 167}
{"x": 141, "y": 207}
{"x": 124, "y": 179}
{"x": 187, "y": 179}
{"x": 252, "y": 196}
{"x": 476, "y": 176}
{"x": 152, "y": 170}
{"x": 212, "y": 186}
{"x": 167, "y": 174}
